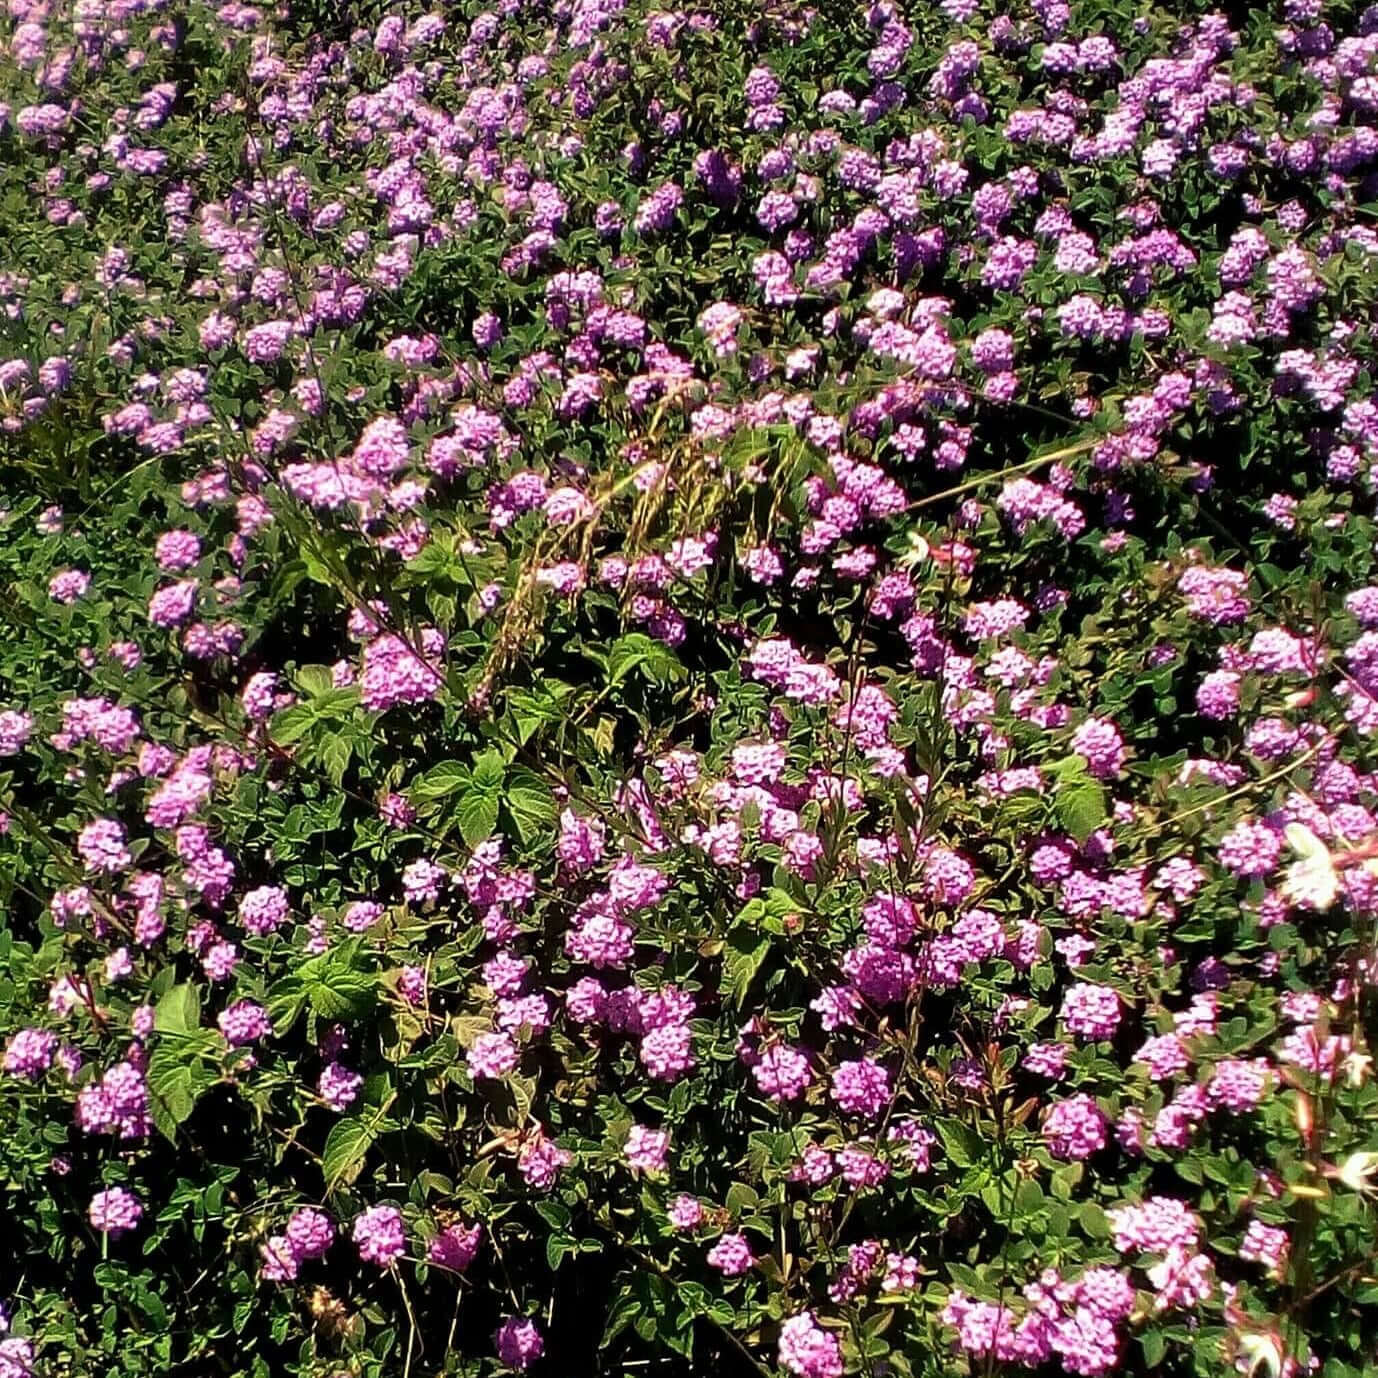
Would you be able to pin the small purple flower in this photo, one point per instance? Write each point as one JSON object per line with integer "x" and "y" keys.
{"x": 310, "y": 1233}
{"x": 380, "y": 1236}
{"x": 262, "y": 911}
{"x": 101, "y": 845}
{"x": 29, "y": 1053}
{"x": 492, "y": 1055}
{"x": 339, "y": 1086}
{"x": 731, "y": 1255}
{"x": 1092, "y": 1011}
{"x": 645, "y": 1149}
{"x": 1075, "y": 1128}
{"x": 519, "y": 1343}
{"x": 244, "y": 1023}
{"x": 686, "y": 1212}
{"x": 67, "y": 585}
{"x": 115, "y": 1212}
{"x": 455, "y": 1247}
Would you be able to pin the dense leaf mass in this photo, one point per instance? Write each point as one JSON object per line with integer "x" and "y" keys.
{"x": 688, "y": 691}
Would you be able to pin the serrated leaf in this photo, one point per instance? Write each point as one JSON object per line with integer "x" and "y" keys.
{"x": 341, "y": 995}
{"x": 959, "y": 1143}
{"x": 1094, "y": 1221}
{"x": 170, "y": 1098}
{"x": 531, "y": 709}
{"x": 293, "y": 723}
{"x": 603, "y": 734}
{"x": 489, "y": 770}
{"x": 467, "y": 1027}
{"x": 286, "y": 1000}
{"x": 335, "y": 703}
{"x": 317, "y": 570}
{"x": 637, "y": 650}
{"x": 1081, "y": 808}
{"x": 177, "y": 1076}
{"x": 624, "y": 1310}
{"x": 442, "y": 780}
{"x": 431, "y": 559}
{"x": 477, "y": 815}
{"x": 554, "y": 1213}
{"x": 335, "y": 753}
{"x": 337, "y": 985}
{"x": 346, "y": 1147}
{"x": 523, "y": 1091}
{"x": 529, "y": 802}
{"x": 741, "y": 1200}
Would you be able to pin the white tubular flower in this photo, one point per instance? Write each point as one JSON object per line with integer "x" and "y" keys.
{"x": 1357, "y": 1172}
{"x": 1310, "y": 881}
{"x": 1260, "y": 1354}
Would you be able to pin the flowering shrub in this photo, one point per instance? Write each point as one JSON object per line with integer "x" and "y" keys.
{"x": 688, "y": 690}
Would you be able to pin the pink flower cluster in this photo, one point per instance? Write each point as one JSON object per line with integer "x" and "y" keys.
{"x": 309, "y": 1234}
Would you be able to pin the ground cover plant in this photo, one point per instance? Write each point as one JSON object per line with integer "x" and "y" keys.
{"x": 688, "y": 691}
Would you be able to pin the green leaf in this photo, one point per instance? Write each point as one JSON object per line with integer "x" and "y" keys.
{"x": 1093, "y": 1221}
{"x": 346, "y": 1147}
{"x": 959, "y": 1143}
{"x": 477, "y": 815}
{"x": 1154, "y": 1347}
{"x": 621, "y": 1314}
{"x": 637, "y": 650}
{"x": 741, "y": 1199}
{"x": 742, "y": 956}
{"x": 341, "y": 995}
{"x": 1081, "y": 808}
{"x": 532, "y": 709}
{"x": 523, "y": 1091}
{"x": 431, "y": 559}
{"x": 449, "y": 777}
{"x": 179, "y": 1011}
{"x": 317, "y": 570}
{"x": 171, "y": 1102}
{"x": 293, "y": 723}
{"x": 529, "y": 803}
{"x": 337, "y": 985}
{"x": 489, "y": 770}
{"x": 152, "y": 1307}
{"x": 554, "y": 1213}
{"x": 286, "y": 1000}
{"x": 335, "y": 753}
{"x": 178, "y": 1075}
{"x": 314, "y": 679}
{"x": 467, "y": 1027}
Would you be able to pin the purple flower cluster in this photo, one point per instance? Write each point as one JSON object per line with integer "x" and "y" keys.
{"x": 379, "y": 1235}
{"x": 114, "y": 1212}
{"x": 309, "y": 1234}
